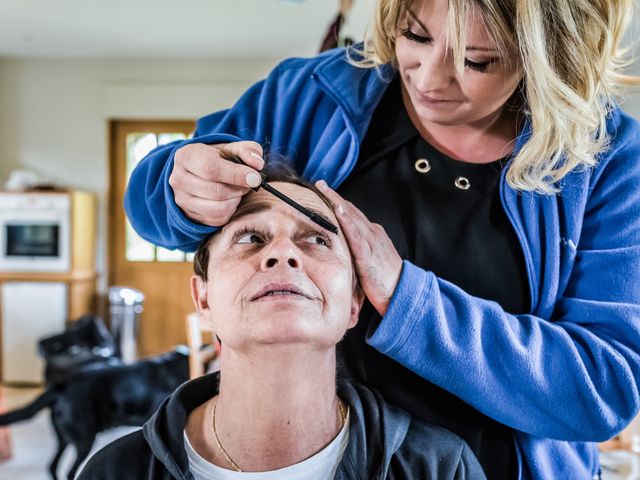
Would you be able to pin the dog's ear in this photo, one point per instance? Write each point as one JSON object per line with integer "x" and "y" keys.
{"x": 199, "y": 294}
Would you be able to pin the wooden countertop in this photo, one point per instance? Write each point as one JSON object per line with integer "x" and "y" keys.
{"x": 77, "y": 275}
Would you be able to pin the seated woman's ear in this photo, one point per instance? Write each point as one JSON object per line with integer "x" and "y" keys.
{"x": 199, "y": 294}
{"x": 356, "y": 304}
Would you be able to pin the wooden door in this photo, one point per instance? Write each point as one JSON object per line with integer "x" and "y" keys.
{"x": 162, "y": 275}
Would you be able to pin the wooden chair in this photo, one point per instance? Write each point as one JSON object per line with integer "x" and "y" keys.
{"x": 204, "y": 347}
{"x": 5, "y": 437}
{"x": 627, "y": 440}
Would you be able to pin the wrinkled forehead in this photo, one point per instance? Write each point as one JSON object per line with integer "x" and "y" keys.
{"x": 263, "y": 203}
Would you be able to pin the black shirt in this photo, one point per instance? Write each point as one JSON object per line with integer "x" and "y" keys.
{"x": 446, "y": 218}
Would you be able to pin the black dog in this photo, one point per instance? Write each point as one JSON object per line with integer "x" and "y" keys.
{"x": 85, "y": 343}
{"x": 94, "y": 400}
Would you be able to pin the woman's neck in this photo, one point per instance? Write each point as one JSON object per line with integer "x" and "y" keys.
{"x": 272, "y": 410}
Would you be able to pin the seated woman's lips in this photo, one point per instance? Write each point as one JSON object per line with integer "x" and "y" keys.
{"x": 280, "y": 291}
{"x": 281, "y": 295}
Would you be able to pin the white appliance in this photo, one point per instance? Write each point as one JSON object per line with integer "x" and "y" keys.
{"x": 30, "y": 311}
{"x": 35, "y": 232}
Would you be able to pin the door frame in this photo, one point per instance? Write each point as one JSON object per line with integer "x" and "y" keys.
{"x": 115, "y": 228}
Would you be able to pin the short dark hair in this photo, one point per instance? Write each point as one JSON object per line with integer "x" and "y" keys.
{"x": 276, "y": 171}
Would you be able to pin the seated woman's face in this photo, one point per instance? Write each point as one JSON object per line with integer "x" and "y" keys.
{"x": 277, "y": 278}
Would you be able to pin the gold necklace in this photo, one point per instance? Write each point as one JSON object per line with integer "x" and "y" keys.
{"x": 224, "y": 452}
{"x": 215, "y": 434}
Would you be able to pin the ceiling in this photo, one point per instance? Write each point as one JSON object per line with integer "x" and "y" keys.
{"x": 169, "y": 28}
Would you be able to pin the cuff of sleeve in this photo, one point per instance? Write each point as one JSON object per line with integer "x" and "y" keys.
{"x": 408, "y": 305}
{"x": 176, "y": 215}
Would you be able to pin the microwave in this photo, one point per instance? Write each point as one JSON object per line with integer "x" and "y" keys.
{"x": 35, "y": 232}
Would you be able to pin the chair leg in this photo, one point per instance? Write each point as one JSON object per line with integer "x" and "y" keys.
{"x": 5, "y": 436}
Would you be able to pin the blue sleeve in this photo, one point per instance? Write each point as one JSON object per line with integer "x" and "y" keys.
{"x": 149, "y": 201}
{"x": 291, "y": 113}
{"x": 573, "y": 376}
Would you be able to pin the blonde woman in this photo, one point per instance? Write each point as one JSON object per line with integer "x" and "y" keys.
{"x": 487, "y": 184}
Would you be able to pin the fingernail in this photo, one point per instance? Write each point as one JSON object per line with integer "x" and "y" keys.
{"x": 340, "y": 210}
{"x": 322, "y": 184}
{"x": 253, "y": 179}
{"x": 254, "y": 154}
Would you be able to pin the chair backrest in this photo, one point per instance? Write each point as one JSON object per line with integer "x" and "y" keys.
{"x": 203, "y": 345}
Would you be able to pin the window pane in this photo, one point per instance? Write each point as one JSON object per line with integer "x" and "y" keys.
{"x": 164, "y": 255}
{"x": 139, "y": 144}
{"x": 170, "y": 137}
{"x": 137, "y": 249}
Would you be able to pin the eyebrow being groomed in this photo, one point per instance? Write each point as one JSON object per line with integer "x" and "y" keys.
{"x": 314, "y": 217}
{"x": 264, "y": 184}
{"x": 245, "y": 210}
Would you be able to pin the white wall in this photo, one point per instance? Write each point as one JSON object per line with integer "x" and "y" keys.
{"x": 632, "y": 103}
{"x": 54, "y": 113}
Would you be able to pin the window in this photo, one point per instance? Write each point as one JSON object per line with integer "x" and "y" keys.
{"x": 139, "y": 144}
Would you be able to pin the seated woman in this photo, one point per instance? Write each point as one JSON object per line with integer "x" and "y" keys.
{"x": 281, "y": 292}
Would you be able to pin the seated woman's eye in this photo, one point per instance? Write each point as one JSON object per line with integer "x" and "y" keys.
{"x": 318, "y": 239}
{"x": 249, "y": 237}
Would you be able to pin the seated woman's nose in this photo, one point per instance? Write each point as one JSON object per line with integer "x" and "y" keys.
{"x": 272, "y": 261}
{"x": 281, "y": 253}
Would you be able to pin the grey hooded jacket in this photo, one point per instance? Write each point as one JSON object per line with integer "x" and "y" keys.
{"x": 384, "y": 442}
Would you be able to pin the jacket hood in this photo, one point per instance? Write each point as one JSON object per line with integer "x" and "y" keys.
{"x": 164, "y": 431}
{"x": 376, "y": 430}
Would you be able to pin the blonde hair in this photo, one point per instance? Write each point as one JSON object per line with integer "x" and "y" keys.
{"x": 571, "y": 56}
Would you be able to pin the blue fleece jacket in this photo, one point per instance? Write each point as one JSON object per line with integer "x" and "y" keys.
{"x": 565, "y": 374}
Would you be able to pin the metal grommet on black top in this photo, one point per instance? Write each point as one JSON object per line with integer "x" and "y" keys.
{"x": 463, "y": 183}
{"x": 422, "y": 165}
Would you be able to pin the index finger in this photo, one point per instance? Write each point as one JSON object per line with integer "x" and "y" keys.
{"x": 249, "y": 152}
{"x": 217, "y": 168}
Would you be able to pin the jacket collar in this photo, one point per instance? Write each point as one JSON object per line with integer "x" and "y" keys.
{"x": 164, "y": 432}
{"x": 376, "y": 430}
{"x": 338, "y": 82}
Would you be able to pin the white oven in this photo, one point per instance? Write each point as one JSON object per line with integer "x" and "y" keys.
{"x": 35, "y": 232}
